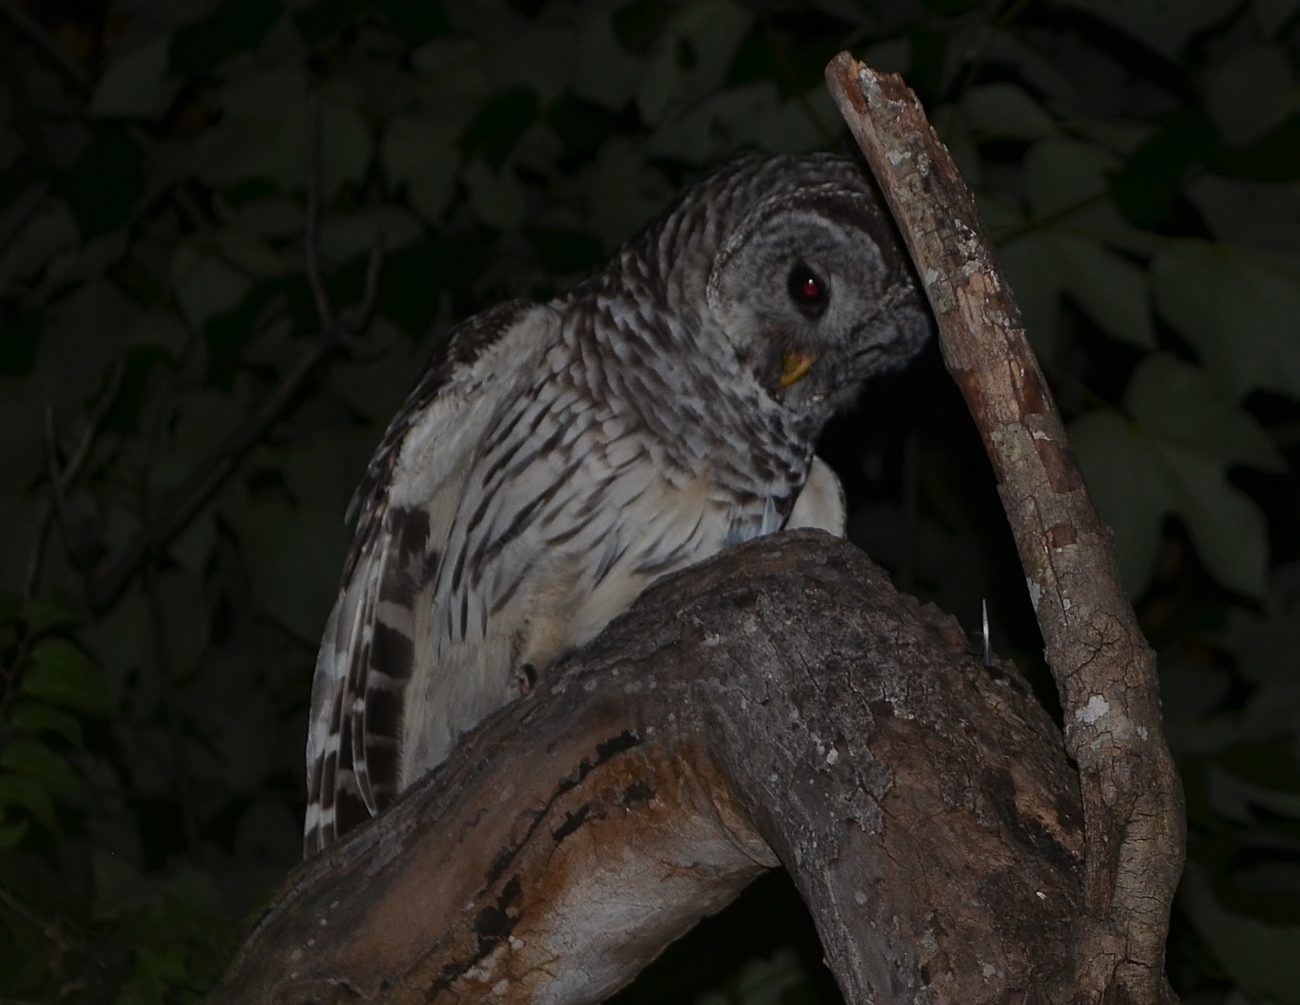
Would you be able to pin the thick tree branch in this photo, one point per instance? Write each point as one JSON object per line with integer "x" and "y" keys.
{"x": 779, "y": 703}
{"x": 1104, "y": 669}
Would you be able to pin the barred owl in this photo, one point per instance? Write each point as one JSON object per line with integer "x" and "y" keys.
{"x": 558, "y": 457}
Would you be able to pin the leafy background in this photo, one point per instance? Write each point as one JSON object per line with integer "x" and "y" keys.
{"x": 180, "y": 426}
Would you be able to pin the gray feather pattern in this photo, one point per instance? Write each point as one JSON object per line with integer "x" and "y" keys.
{"x": 555, "y": 459}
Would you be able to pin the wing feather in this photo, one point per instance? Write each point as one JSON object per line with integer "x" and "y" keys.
{"x": 377, "y": 634}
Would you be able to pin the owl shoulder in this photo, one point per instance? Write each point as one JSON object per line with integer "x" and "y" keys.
{"x": 476, "y": 367}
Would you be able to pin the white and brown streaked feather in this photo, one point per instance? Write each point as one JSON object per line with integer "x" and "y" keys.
{"x": 401, "y": 509}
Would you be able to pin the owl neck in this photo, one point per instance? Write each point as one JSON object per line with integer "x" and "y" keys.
{"x": 670, "y": 377}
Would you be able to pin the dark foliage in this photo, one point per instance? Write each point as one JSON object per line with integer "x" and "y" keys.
{"x": 1138, "y": 163}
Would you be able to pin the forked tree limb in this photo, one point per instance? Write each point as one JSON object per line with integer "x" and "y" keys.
{"x": 780, "y": 702}
{"x": 1104, "y": 669}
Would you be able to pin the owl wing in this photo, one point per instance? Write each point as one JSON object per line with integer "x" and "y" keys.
{"x": 375, "y": 637}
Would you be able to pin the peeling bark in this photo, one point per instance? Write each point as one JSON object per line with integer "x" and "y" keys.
{"x": 780, "y": 704}
{"x": 1104, "y": 669}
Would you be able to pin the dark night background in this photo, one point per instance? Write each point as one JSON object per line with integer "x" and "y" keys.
{"x": 179, "y": 437}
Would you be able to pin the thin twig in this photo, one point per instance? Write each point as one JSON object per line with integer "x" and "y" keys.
{"x": 62, "y": 478}
{"x": 55, "y": 475}
{"x": 48, "y": 47}
{"x": 97, "y": 416}
{"x": 353, "y": 320}
{"x": 50, "y": 930}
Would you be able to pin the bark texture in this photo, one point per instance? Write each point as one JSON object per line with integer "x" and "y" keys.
{"x": 1104, "y": 669}
{"x": 780, "y": 704}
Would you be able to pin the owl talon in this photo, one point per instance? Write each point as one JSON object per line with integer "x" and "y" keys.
{"x": 526, "y": 675}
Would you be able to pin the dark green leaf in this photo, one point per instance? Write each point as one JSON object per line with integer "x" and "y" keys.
{"x": 928, "y": 56}
{"x": 1163, "y": 25}
{"x": 48, "y": 616}
{"x": 415, "y": 22}
{"x": 424, "y": 158}
{"x": 582, "y": 126}
{"x": 1109, "y": 287}
{"x": 1066, "y": 180}
{"x": 11, "y": 835}
{"x": 233, "y": 26}
{"x": 38, "y": 761}
{"x": 206, "y": 283}
{"x": 1139, "y": 472}
{"x": 319, "y": 22}
{"x": 495, "y": 130}
{"x": 135, "y": 83}
{"x": 345, "y": 146}
{"x": 37, "y": 718}
{"x": 565, "y": 249}
{"x": 1238, "y": 308}
{"x": 1247, "y": 93}
{"x": 1183, "y": 405}
{"x": 24, "y": 957}
{"x": 25, "y": 793}
{"x": 1274, "y": 13}
{"x": 1261, "y": 957}
{"x": 638, "y": 24}
{"x": 61, "y": 674}
{"x": 605, "y": 72}
{"x": 412, "y": 285}
{"x": 132, "y": 395}
{"x": 165, "y": 963}
{"x": 1274, "y": 157}
{"x": 103, "y": 185}
{"x": 1129, "y": 496}
{"x": 119, "y": 887}
{"x": 1151, "y": 177}
{"x": 18, "y": 346}
{"x": 996, "y": 111}
{"x": 690, "y": 57}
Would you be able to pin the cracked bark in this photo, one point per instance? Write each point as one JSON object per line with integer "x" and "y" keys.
{"x": 1104, "y": 669}
{"x": 780, "y": 704}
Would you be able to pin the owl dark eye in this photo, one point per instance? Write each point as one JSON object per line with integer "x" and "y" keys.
{"x": 807, "y": 291}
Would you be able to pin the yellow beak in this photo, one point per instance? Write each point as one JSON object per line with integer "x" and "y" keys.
{"x": 795, "y": 367}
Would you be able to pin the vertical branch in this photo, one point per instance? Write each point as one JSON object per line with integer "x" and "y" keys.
{"x": 1104, "y": 669}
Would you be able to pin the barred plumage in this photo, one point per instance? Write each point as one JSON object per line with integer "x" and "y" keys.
{"x": 557, "y": 458}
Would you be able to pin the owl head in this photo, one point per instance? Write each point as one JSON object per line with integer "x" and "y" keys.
{"x": 812, "y": 286}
